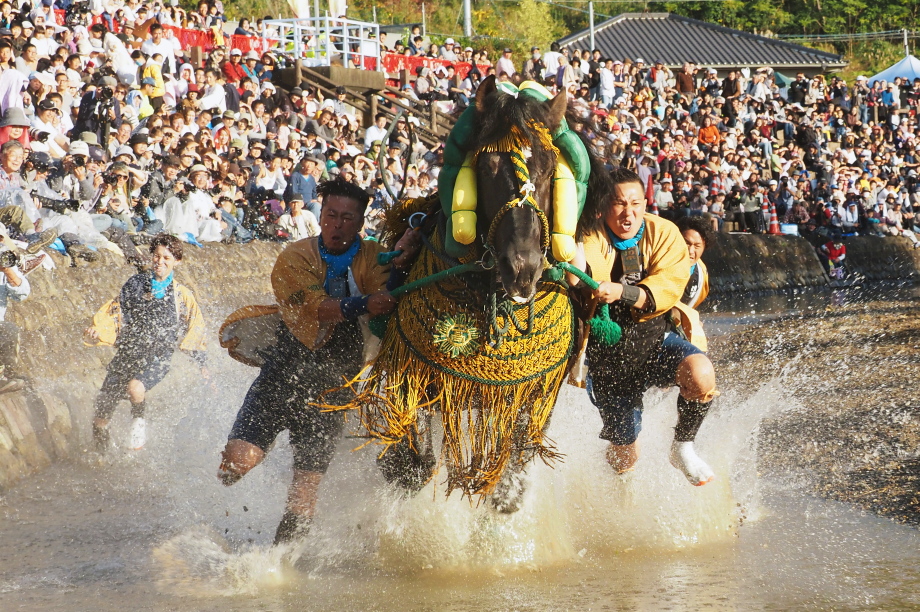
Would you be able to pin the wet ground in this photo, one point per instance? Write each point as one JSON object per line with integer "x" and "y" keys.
{"x": 817, "y": 407}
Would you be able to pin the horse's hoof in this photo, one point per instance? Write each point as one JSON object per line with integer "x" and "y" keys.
{"x": 403, "y": 466}
{"x": 508, "y": 496}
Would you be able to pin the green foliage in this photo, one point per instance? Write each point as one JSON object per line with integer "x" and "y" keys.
{"x": 253, "y": 9}
{"x": 501, "y": 23}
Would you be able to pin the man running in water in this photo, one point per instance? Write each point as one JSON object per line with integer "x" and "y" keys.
{"x": 323, "y": 285}
{"x": 641, "y": 263}
{"x": 151, "y": 316}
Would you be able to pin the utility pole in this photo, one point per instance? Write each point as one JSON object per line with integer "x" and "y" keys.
{"x": 467, "y": 19}
{"x": 424, "y": 29}
{"x": 906, "y": 46}
{"x": 591, "y": 18}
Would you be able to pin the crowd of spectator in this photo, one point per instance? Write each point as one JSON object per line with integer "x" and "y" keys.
{"x": 107, "y": 138}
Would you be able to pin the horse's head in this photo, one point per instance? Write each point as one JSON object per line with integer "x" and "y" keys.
{"x": 515, "y": 163}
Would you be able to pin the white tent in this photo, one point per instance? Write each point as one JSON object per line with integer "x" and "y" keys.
{"x": 908, "y": 68}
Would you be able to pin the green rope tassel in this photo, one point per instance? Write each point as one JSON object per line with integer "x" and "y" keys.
{"x": 604, "y": 330}
{"x": 378, "y": 325}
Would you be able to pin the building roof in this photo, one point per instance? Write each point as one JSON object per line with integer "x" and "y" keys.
{"x": 675, "y": 40}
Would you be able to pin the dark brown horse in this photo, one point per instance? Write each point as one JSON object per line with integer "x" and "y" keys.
{"x": 494, "y": 394}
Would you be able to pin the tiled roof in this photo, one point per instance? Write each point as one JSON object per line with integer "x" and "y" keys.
{"x": 674, "y": 40}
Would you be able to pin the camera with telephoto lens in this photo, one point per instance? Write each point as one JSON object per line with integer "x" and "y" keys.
{"x": 56, "y": 205}
{"x": 9, "y": 259}
{"x": 106, "y": 93}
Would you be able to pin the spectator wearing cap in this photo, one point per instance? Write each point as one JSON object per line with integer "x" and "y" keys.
{"x": 233, "y": 68}
{"x": 251, "y": 66}
{"x": 297, "y": 222}
{"x": 47, "y": 115}
{"x": 14, "y": 126}
{"x": 447, "y": 51}
{"x": 339, "y": 106}
{"x": 534, "y": 67}
{"x": 504, "y": 68}
{"x": 303, "y": 184}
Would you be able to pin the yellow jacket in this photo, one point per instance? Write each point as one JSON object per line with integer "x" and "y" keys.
{"x": 666, "y": 263}
{"x": 108, "y": 322}
{"x": 688, "y": 318}
{"x": 298, "y": 278}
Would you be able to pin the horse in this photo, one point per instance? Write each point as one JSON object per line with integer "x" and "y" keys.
{"x": 486, "y": 348}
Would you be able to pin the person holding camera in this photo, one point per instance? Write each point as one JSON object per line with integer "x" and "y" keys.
{"x": 100, "y": 110}
{"x": 13, "y": 283}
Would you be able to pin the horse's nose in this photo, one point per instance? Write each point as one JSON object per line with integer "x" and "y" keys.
{"x": 519, "y": 276}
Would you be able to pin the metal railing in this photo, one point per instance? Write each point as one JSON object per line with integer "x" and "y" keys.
{"x": 321, "y": 41}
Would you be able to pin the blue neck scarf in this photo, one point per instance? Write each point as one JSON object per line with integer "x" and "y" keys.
{"x": 692, "y": 270}
{"x": 620, "y": 244}
{"x": 337, "y": 265}
{"x": 158, "y": 288}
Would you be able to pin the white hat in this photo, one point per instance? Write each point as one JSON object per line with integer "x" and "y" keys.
{"x": 27, "y": 25}
{"x": 78, "y": 147}
{"x": 640, "y": 61}
{"x": 449, "y": 41}
{"x": 236, "y": 51}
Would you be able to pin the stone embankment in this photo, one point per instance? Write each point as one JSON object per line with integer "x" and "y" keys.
{"x": 742, "y": 262}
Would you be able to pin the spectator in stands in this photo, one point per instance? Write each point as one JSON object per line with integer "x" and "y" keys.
{"x": 504, "y": 68}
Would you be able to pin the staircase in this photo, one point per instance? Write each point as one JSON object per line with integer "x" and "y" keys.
{"x": 433, "y": 128}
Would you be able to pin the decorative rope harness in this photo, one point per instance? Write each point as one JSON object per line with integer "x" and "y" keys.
{"x": 494, "y": 397}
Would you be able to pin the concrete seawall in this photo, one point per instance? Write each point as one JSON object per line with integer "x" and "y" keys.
{"x": 744, "y": 262}
{"x": 39, "y": 424}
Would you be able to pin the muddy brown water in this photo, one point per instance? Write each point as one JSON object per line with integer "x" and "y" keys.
{"x": 154, "y": 530}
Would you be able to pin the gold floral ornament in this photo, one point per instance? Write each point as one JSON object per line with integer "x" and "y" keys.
{"x": 456, "y": 336}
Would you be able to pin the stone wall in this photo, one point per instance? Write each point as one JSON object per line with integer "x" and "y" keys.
{"x": 883, "y": 259}
{"x": 37, "y": 423}
{"x": 745, "y": 262}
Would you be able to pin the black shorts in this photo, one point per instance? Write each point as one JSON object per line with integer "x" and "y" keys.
{"x": 124, "y": 368}
{"x": 280, "y": 397}
{"x": 149, "y": 370}
{"x": 620, "y": 406}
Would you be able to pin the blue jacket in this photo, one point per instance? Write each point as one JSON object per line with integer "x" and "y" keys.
{"x": 305, "y": 186}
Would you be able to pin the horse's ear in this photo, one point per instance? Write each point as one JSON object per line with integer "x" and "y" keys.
{"x": 486, "y": 87}
{"x": 556, "y": 111}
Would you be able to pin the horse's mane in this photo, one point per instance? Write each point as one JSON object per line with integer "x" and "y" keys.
{"x": 504, "y": 115}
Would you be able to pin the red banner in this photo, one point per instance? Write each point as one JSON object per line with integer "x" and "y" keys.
{"x": 394, "y": 62}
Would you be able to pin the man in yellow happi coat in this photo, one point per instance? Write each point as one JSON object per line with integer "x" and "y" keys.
{"x": 642, "y": 265}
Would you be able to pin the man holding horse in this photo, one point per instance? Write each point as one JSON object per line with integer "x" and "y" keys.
{"x": 643, "y": 267}
{"x": 324, "y": 286}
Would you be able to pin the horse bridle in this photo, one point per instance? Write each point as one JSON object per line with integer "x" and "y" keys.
{"x": 526, "y": 190}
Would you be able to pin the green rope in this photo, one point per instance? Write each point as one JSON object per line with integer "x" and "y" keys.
{"x": 378, "y": 324}
{"x": 605, "y": 330}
